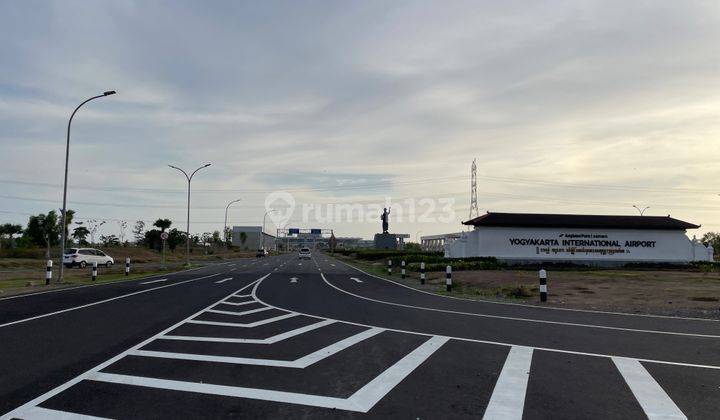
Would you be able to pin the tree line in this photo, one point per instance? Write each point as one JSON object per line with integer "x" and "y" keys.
{"x": 44, "y": 230}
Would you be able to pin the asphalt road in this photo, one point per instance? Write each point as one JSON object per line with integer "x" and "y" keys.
{"x": 283, "y": 338}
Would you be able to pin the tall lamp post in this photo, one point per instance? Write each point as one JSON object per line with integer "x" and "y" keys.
{"x": 187, "y": 233}
{"x": 641, "y": 211}
{"x": 67, "y": 159}
{"x": 262, "y": 231}
{"x": 225, "y": 231}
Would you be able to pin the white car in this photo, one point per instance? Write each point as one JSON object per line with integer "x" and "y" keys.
{"x": 304, "y": 253}
{"x": 82, "y": 257}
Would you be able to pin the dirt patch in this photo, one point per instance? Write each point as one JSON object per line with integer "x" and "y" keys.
{"x": 662, "y": 292}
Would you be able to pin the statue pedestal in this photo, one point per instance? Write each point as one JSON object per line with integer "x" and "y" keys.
{"x": 386, "y": 241}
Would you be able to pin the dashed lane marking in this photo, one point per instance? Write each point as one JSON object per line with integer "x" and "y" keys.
{"x": 223, "y": 280}
{"x": 654, "y": 401}
{"x": 105, "y": 301}
{"x": 357, "y": 280}
{"x": 154, "y": 281}
{"x": 508, "y": 397}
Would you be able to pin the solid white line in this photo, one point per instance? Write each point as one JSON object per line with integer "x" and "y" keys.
{"x": 241, "y": 325}
{"x": 223, "y": 280}
{"x": 526, "y": 305}
{"x": 65, "y": 289}
{"x": 269, "y": 340}
{"x": 248, "y": 312}
{"x": 508, "y": 397}
{"x": 19, "y": 412}
{"x": 103, "y": 301}
{"x": 224, "y": 302}
{"x": 154, "y": 281}
{"x": 227, "y": 391}
{"x": 654, "y": 401}
{"x": 39, "y": 413}
{"x": 300, "y": 363}
{"x": 512, "y": 318}
{"x": 369, "y": 395}
{"x": 495, "y": 343}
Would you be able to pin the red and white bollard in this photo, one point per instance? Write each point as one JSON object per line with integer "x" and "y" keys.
{"x": 402, "y": 270}
{"x": 389, "y": 267}
{"x": 94, "y": 271}
{"x": 422, "y": 272}
{"x": 127, "y": 266}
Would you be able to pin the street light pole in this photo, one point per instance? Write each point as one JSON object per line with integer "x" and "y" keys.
{"x": 225, "y": 231}
{"x": 262, "y": 231}
{"x": 187, "y": 233}
{"x": 641, "y": 211}
{"x": 67, "y": 160}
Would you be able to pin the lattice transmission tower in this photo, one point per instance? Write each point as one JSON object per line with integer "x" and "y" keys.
{"x": 473, "y": 191}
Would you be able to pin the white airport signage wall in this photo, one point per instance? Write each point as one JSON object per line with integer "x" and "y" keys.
{"x": 560, "y": 244}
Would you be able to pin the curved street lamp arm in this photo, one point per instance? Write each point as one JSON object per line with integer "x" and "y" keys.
{"x": 184, "y": 173}
{"x": 193, "y": 174}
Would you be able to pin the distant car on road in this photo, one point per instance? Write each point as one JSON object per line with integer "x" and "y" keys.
{"x": 82, "y": 257}
{"x": 262, "y": 252}
{"x": 304, "y": 253}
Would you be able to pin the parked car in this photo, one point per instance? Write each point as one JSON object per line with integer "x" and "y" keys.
{"x": 82, "y": 257}
{"x": 304, "y": 253}
{"x": 261, "y": 252}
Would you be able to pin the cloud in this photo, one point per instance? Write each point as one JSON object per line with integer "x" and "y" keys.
{"x": 357, "y": 101}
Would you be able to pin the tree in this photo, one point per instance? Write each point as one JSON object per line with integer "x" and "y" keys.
{"x": 175, "y": 237}
{"x": 162, "y": 224}
{"x": 123, "y": 225}
{"x": 10, "y": 231}
{"x": 43, "y": 230}
{"x": 206, "y": 237}
{"x": 69, "y": 215}
{"x": 713, "y": 239}
{"x": 110, "y": 240}
{"x": 139, "y": 231}
{"x": 152, "y": 239}
{"x": 80, "y": 234}
{"x": 216, "y": 237}
{"x": 94, "y": 226}
{"x": 412, "y": 246}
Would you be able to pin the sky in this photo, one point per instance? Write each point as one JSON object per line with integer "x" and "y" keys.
{"x": 585, "y": 107}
